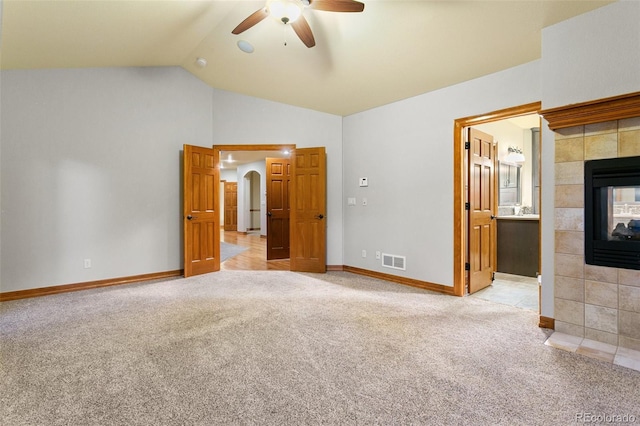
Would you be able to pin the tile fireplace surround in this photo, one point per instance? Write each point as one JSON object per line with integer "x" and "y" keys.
{"x": 595, "y": 302}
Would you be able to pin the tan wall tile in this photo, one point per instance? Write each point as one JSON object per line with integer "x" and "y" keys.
{"x": 601, "y": 336}
{"x": 599, "y": 128}
{"x": 568, "y": 328}
{"x": 601, "y": 318}
{"x": 629, "y": 322}
{"x": 569, "y": 265}
{"x": 630, "y": 298}
{"x": 629, "y": 124}
{"x": 569, "y": 311}
{"x": 569, "y": 288}
{"x": 571, "y": 173}
{"x": 601, "y": 294}
{"x": 569, "y": 219}
{"x": 601, "y": 146}
{"x": 569, "y": 132}
{"x": 571, "y": 149}
{"x": 570, "y": 242}
{"x": 629, "y": 343}
{"x": 629, "y": 143}
{"x": 603, "y": 274}
{"x": 629, "y": 277}
{"x": 569, "y": 196}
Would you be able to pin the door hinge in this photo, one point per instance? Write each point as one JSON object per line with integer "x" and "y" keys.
{"x": 467, "y": 206}
{"x": 467, "y": 145}
{"x": 467, "y": 266}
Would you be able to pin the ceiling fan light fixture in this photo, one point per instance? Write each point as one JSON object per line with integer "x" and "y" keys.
{"x": 245, "y": 46}
{"x": 285, "y": 11}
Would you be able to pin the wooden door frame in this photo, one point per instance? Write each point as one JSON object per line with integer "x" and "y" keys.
{"x": 460, "y": 236}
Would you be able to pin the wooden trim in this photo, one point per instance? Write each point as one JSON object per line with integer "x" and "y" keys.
{"x": 459, "y": 236}
{"x": 335, "y": 267}
{"x": 597, "y": 111}
{"x": 45, "y": 291}
{"x": 269, "y": 147}
{"x": 546, "y": 322}
{"x": 401, "y": 280}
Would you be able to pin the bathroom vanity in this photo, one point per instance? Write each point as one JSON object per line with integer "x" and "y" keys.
{"x": 518, "y": 245}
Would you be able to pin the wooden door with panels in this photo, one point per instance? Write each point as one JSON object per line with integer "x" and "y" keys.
{"x": 278, "y": 182}
{"x": 231, "y": 206}
{"x": 308, "y": 210}
{"x": 482, "y": 204}
{"x": 201, "y": 216}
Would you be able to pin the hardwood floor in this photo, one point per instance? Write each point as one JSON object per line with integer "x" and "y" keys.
{"x": 254, "y": 259}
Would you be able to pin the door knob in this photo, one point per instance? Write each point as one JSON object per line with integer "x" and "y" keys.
{"x": 492, "y": 217}
{"x": 189, "y": 217}
{"x": 269, "y": 214}
{"x": 320, "y": 216}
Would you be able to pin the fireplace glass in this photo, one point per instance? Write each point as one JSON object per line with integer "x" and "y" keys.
{"x": 624, "y": 220}
{"x": 612, "y": 212}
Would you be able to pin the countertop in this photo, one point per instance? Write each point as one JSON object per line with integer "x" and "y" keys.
{"x": 523, "y": 217}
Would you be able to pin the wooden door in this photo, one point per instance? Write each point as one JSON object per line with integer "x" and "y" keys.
{"x": 308, "y": 210}
{"x": 278, "y": 181}
{"x": 231, "y": 206}
{"x": 482, "y": 204}
{"x": 201, "y": 221}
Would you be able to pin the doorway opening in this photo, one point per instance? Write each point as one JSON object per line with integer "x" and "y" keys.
{"x": 491, "y": 220}
{"x": 245, "y": 164}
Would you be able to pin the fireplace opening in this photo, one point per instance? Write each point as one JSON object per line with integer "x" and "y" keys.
{"x": 612, "y": 212}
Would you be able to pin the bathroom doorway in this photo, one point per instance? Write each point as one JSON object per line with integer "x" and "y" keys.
{"x": 517, "y": 207}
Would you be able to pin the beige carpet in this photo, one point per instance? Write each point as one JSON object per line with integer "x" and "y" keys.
{"x": 241, "y": 347}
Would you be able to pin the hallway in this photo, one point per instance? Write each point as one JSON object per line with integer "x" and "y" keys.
{"x": 253, "y": 259}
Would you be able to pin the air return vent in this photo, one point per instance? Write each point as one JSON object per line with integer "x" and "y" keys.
{"x": 394, "y": 261}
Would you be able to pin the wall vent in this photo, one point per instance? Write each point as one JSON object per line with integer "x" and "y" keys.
{"x": 394, "y": 261}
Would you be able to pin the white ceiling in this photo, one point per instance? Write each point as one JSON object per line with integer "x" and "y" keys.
{"x": 393, "y": 50}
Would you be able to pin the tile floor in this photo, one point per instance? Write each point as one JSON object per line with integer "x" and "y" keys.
{"x": 593, "y": 349}
{"x": 513, "y": 290}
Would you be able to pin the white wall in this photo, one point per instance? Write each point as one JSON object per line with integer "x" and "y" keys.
{"x": 243, "y": 120}
{"x": 406, "y": 151}
{"x": 91, "y": 169}
{"x": 244, "y": 200}
{"x": 592, "y": 56}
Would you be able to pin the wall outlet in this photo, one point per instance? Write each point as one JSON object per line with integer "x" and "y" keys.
{"x": 378, "y": 255}
{"x": 87, "y": 263}
{"x": 364, "y": 253}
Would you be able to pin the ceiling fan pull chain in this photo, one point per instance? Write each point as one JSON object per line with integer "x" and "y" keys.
{"x": 284, "y": 30}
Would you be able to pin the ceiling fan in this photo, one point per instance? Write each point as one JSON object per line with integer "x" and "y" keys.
{"x": 290, "y": 12}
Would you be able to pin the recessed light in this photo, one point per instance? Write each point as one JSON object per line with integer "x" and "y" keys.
{"x": 245, "y": 46}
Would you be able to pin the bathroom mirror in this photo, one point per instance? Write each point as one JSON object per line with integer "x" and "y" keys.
{"x": 509, "y": 185}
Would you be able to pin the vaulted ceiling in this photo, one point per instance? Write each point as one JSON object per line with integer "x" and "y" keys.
{"x": 393, "y": 50}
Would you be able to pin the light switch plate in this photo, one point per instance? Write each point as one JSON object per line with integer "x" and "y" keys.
{"x": 364, "y": 181}
{"x": 351, "y": 201}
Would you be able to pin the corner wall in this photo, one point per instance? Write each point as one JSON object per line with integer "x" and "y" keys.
{"x": 592, "y": 56}
{"x": 405, "y": 149}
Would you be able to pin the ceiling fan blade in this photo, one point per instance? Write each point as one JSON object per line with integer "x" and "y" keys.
{"x": 302, "y": 28}
{"x": 337, "y": 5}
{"x": 251, "y": 20}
